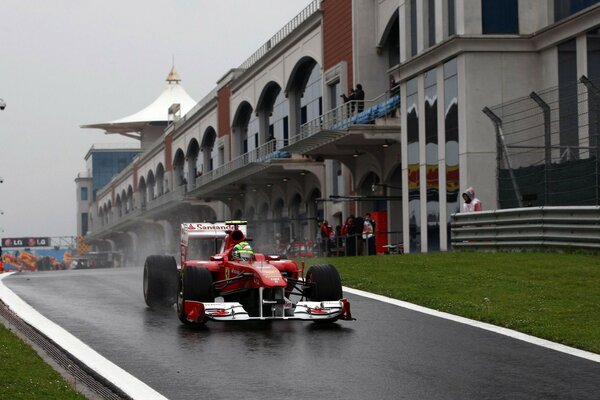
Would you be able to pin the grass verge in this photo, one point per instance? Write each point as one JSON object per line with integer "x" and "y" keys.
{"x": 547, "y": 295}
{"x": 24, "y": 375}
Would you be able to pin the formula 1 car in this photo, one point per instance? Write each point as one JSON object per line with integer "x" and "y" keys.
{"x": 226, "y": 288}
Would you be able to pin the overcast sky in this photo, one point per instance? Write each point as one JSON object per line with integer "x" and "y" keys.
{"x": 66, "y": 63}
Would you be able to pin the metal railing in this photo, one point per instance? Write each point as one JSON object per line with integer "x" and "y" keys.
{"x": 282, "y": 34}
{"x": 531, "y": 227}
{"x": 260, "y": 154}
{"x": 350, "y": 113}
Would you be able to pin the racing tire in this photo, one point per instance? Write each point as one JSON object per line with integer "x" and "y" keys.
{"x": 195, "y": 283}
{"x": 324, "y": 282}
{"x": 160, "y": 281}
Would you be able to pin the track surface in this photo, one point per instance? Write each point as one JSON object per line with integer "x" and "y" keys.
{"x": 388, "y": 353}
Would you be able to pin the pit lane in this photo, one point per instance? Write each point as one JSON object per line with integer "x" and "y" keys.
{"x": 388, "y": 353}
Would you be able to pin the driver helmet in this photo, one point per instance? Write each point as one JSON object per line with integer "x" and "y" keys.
{"x": 243, "y": 251}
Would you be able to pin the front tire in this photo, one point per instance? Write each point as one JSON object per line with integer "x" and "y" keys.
{"x": 195, "y": 283}
{"x": 160, "y": 281}
{"x": 324, "y": 283}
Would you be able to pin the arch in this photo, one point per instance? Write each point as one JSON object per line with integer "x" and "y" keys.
{"x": 130, "y": 202}
{"x": 101, "y": 215}
{"x": 118, "y": 206}
{"x": 206, "y": 147}
{"x": 389, "y": 42}
{"x": 272, "y": 124}
{"x": 150, "y": 185}
{"x": 143, "y": 192}
{"x": 306, "y": 73}
{"x": 300, "y": 74}
{"x": 178, "y": 168}
{"x": 191, "y": 157}
{"x": 160, "y": 180}
{"x": 239, "y": 131}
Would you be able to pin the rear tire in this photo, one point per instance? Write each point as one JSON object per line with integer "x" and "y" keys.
{"x": 195, "y": 284}
{"x": 160, "y": 281}
{"x": 325, "y": 283}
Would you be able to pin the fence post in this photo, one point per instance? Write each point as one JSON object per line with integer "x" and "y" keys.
{"x": 500, "y": 137}
{"x": 547, "y": 143}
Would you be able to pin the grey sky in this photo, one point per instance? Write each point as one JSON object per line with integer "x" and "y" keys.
{"x": 67, "y": 63}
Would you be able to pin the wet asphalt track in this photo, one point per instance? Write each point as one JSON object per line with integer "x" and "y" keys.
{"x": 388, "y": 353}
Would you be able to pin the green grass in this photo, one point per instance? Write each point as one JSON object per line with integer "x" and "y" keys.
{"x": 548, "y": 295}
{"x": 24, "y": 375}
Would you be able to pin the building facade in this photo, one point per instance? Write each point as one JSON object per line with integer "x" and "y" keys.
{"x": 276, "y": 142}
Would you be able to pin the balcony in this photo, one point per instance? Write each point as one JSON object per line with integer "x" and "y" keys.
{"x": 376, "y": 115}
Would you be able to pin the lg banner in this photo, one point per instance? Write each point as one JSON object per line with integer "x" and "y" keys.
{"x": 26, "y": 242}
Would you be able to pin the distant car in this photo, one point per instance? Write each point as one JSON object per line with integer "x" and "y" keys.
{"x": 259, "y": 287}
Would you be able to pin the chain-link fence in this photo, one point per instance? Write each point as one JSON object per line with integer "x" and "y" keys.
{"x": 548, "y": 152}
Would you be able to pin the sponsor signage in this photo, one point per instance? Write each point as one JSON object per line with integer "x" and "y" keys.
{"x": 26, "y": 242}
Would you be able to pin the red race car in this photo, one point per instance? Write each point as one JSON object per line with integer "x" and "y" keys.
{"x": 237, "y": 284}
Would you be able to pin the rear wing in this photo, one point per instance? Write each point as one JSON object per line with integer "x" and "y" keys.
{"x": 208, "y": 230}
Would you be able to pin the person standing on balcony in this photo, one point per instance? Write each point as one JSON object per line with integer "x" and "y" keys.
{"x": 472, "y": 203}
{"x": 359, "y": 96}
{"x": 349, "y": 99}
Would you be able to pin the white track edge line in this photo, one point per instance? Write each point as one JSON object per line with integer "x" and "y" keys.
{"x": 110, "y": 371}
{"x": 478, "y": 324}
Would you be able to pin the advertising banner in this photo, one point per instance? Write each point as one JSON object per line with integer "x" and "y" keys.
{"x": 26, "y": 242}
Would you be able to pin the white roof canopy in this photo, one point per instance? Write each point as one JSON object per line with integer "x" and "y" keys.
{"x": 156, "y": 113}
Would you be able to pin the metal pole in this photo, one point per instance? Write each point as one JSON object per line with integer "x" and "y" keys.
{"x": 500, "y": 137}
{"x": 547, "y": 144}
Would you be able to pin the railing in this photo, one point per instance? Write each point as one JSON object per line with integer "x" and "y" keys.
{"x": 262, "y": 153}
{"x": 532, "y": 227}
{"x": 282, "y": 34}
{"x": 174, "y": 194}
{"x": 350, "y": 113}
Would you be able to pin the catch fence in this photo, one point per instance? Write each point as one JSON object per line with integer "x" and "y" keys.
{"x": 547, "y": 147}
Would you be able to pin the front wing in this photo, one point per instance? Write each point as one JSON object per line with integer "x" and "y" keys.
{"x": 197, "y": 311}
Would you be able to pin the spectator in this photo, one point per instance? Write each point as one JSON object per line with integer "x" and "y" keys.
{"x": 472, "y": 203}
{"x": 349, "y": 99}
{"x": 368, "y": 234}
{"x": 348, "y": 233}
{"x": 325, "y": 232}
{"x": 359, "y": 96}
{"x": 394, "y": 87}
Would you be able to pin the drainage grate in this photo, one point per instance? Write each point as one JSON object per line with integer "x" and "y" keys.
{"x": 81, "y": 374}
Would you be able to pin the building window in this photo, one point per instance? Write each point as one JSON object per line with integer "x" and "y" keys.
{"x": 431, "y": 21}
{"x": 84, "y": 223}
{"x": 451, "y": 133}
{"x": 414, "y": 186}
{"x": 83, "y": 195}
{"x": 431, "y": 160}
{"x": 567, "y": 100}
{"x": 593, "y": 67}
{"x": 451, "y": 17}
{"x": 500, "y": 16}
{"x": 413, "y": 27}
{"x": 565, "y": 8}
